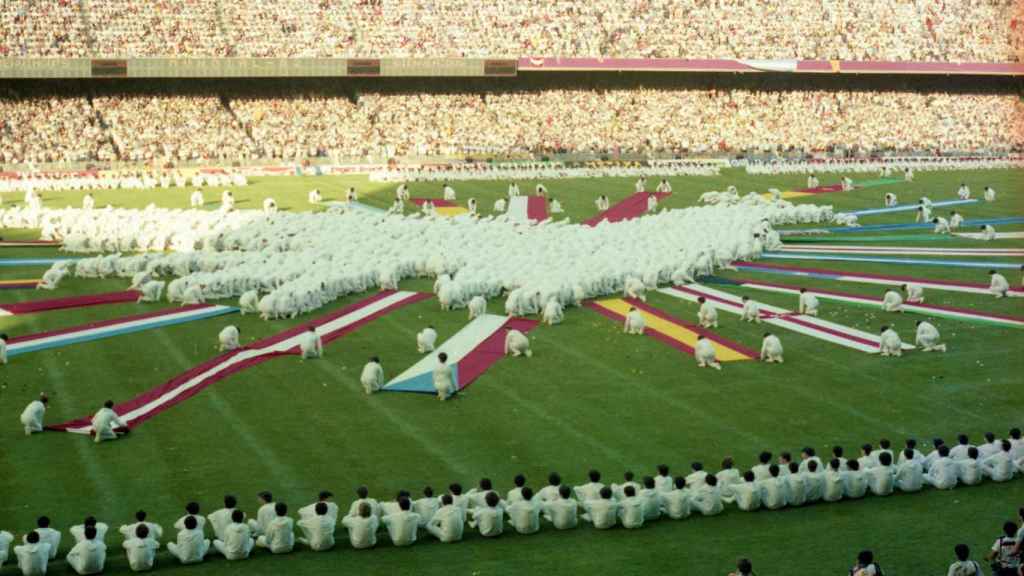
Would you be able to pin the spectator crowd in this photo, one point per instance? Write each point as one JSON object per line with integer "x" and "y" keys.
{"x": 165, "y": 128}
{"x": 914, "y": 30}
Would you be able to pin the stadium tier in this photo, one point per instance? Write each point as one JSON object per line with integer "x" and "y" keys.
{"x": 884, "y": 30}
{"x": 149, "y": 128}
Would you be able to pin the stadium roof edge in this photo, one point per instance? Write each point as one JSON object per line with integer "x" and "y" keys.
{"x": 55, "y": 68}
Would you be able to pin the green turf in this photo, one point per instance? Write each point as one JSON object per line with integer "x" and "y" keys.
{"x": 590, "y": 397}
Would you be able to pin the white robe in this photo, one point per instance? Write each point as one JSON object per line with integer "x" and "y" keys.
{"x": 808, "y": 304}
{"x": 892, "y": 301}
{"x": 707, "y": 316}
{"x": 372, "y": 377}
{"x": 249, "y": 302}
{"x": 635, "y": 323}
{"x": 310, "y": 345}
{"x": 890, "y": 343}
{"x": 443, "y": 382}
{"x": 425, "y": 340}
{"x": 517, "y": 344}
{"x": 915, "y": 293}
{"x": 32, "y": 417}
{"x": 928, "y": 338}
{"x": 771, "y": 349}
{"x": 196, "y": 199}
{"x": 704, "y": 352}
{"x": 553, "y": 313}
{"x": 751, "y": 312}
{"x": 998, "y": 285}
{"x": 477, "y": 307}
{"x": 228, "y": 338}
{"x": 104, "y": 423}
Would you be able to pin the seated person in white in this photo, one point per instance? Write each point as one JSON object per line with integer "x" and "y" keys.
{"x": 372, "y": 377}
{"x": 426, "y": 339}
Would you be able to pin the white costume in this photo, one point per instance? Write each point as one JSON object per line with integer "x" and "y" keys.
{"x": 808, "y": 304}
{"x": 707, "y": 315}
{"x": 915, "y": 293}
{"x": 88, "y": 557}
{"x": 990, "y": 194}
{"x": 310, "y": 345}
{"x": 998, "y": 285}
{"x": 228, "y": 338}
{"x": 988, "y": 232}
{"x": 141, "y": 553}
{"x": 635, "y": 288}
{"x": 890, "y": 343}
{"x": 104, "y": 423}
{"x": 941, "y": 225}
{"x": 635, "y": 323}
{"x": 553, "y": 313}
{"x": 372, "y": 377}
{"x": 928, "y": 337}
{"x": 517, "y": 344}
{"x": 704, "y": 351}
{"x": 238, "y": 542}
{"x": 771, "y": 349}
{"x": 477, "y": 307}
{"x": 249, "y": 302}
{"x": 196, "y": 199}
{"x": 190, "y": 547}
{"x": 892, "y": 301}
{"x": 425, "y": 340}
{"x": 318, "y": 532}
{"x": 443, "y": 382}
{"x": 32, "y": 417}
{"x": 751, "y": 312}
{"x": 314, "y": 197}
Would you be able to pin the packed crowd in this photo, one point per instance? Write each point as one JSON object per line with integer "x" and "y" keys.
{"x": 919, "y": 30}
{"x": 640, "y": 121}
{"x": 173, "y": 128}
{"x": 773, "y": 483}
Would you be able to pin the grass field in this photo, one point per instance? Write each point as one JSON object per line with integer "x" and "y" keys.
{"x": 589, "y": 398}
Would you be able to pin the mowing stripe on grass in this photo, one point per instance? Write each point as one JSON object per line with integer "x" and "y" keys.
{"x": 807, "y": 325}
{"x": 32, "y": 306}
{"x": 672, "y": 331}
{"x": 926, "y": 309}
{"x": 903, "y": 250}
{"x": 330, "y": 327}
{"x": 471, "y": 351}
{"x": 906, "y": 226}
{"x": 909, "y": 207}
{"x": 14, "y": 262}
{"x": 632, "y": 207}
{"x": 884, "y": 260}
{"x": 865, "y": 278}
{"x": 110, "y": 328}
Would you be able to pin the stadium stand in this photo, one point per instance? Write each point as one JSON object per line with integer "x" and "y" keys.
{"x": 915, "y": 30}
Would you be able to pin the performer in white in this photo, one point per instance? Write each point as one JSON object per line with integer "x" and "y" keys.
{"x": 228, "y": 338}
{"x": 426, "y": 339}
{"x": 314, "y": 197}
{"x": 915, "y": 293}
{"x": 32, "y": 416}
{"x": 477, "y": 307}
{"x": 269, "y": 206}
{"x": 955, "y": 220}
{"x": 964, "y": 192}
{"x": 990, "y": 194}
{"x": 941, "y": 225}
{"x": 318, "y": 529}
{"x": 107, "y": 425}
{"x": 988, "y": 232}
{"x": 808, "y": 303}
{"x": 771, "y": 348}
{"x": 553, "y": 313}
{"x": 442, "y": 376}
{"x": 635, "y": 288}
{"x": 191, "y": 546}
{"x": 517, "y": 344}
{"x": 704, "y": 351}
{"x": 196, "y": 199}
{"x": 928, "y": 337}
{"x": 751, "y": 311}
{"x": 664, "y": 187}
{"x": 707, "y": 315}
{"x": 892, "y": 301}
{"x": 890, "y": 200}
{"x": 635, "y": 323}
{"x": 998, "y": 285}
{"x": 310, "y": 344}
{"x": 372, "y": 377}
{"x": 890, "y": 343}
{"x": 652, "y": 203}
{"x": 279, "y": 536}
{"x": 238, "y": 542}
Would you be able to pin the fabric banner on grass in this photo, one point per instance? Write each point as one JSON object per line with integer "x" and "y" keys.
{"x": 471, "y": 351}
{"x": 910, "y": 207}
{"x": 907, "y": 226}
{"x": 330, "y": 327}
{"x": 950, "y": 312}
{"x": 527, "y": 208}
{"x": 33, "y": 306}
{"x": 110, "y": 328}
{"x": 632, "y": 207}
{"x": 999, "y": 235}
{"x": 807, "y": 325}
{"x": 672, "y": 331}
{"x": 903, "y": 250}
{"x": 833, "y": 239}
{"x": 884, "y": 279}
{"x": 885, "y": 260}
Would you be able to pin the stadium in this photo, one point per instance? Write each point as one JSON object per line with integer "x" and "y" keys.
{"x": 582, "y": 287}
